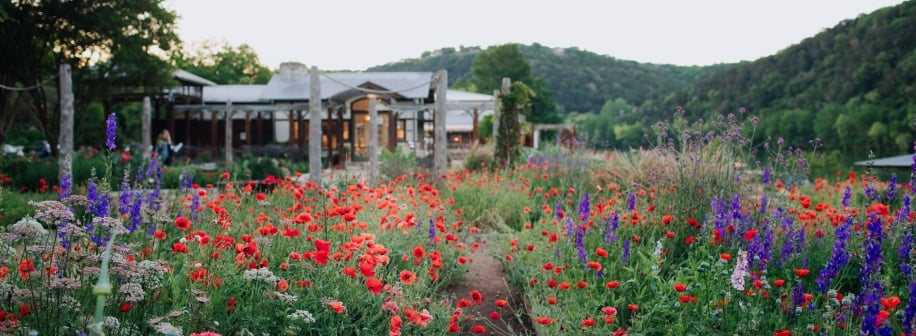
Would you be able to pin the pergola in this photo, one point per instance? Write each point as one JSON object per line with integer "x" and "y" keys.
{"x": 343, "y": 104}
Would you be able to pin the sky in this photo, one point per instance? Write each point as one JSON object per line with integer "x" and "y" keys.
{"x": 357, "y": 34}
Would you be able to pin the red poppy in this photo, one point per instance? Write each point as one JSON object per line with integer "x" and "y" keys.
{"x": 779, "y": 282}
{"x": 500, "y": 303}
{"x": 494, "y": 316}
{"x": 680, "y": 287}
{"x": 374, "y": 285}
{"x": 612, "y": 284}
{"x": 408, "y": 277}
{"x": 544, "y": 320}
{"x": 419, "y": 252}
{"x": 750, "y": 234}
{"x": 476, "y": 296}
{"x": 125, "y": 307}
{"x": 601, "y": 252}
{"x": 632, "y": 307}
{"x": 477, "y": 329}
{"x": 589, "y": 322}
{"x": 182, "y": 223}
{"x": 802, "y": 272}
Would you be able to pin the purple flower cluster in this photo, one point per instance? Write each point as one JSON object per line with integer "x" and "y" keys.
{"x": 846, "y": 196}
{"x": 840, "y": 255}
{"x": 611, "y": 227}
{"x": 580, "y": 246}
{"x": 872, "y": 290}
{"x": 766, "y": 175}
{"x": 432, "y": 231}
{"x": 584, "y": 207}
{"x": 891, "y": 187}
{"x": 111, "y": 129}
{"x": 910, "y": 311}
{"x": 626, "y": 252}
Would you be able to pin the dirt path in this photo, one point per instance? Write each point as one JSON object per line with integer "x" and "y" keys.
{"x": 486, "y": 276}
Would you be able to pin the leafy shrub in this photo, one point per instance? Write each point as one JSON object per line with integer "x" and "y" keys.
{"x": 479, "y": 157}
{"x": 397, "y": 163}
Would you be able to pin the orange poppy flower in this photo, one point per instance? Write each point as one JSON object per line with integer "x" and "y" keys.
{"x": 408, "y": 277}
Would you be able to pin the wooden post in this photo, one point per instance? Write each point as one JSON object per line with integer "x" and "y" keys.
{"x": 214, "y": 134}
{"x": 496, "y": 114}
{"x": 292, "y": 132}
{"x": 146, "y": 129}
{"x": 475, "y": 128}
{"x": 228, "y": 148}
{"x": 261, "y": 129}
{"x": 315, "y": 126}
{"x": 248, "y": 128}
{"x": 65, "y": 139}
{"x": 187, "y": 127}
{"x": 440, "y": 151}
{"x": 303, "y": 132}
{"x": 170, "y": 117}
{"x": 373, "y": 141}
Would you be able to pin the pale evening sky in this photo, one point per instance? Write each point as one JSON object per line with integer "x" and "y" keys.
{"x": 356, "y": 34}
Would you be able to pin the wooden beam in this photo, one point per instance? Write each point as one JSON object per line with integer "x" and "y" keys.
{"x": 214, "y": 136}
{"x": 187, "y": 127}
{"x": 248, "y": 128}
{"x": 228, "y": 138}
{"x": 315, "y": 126}
{"x": 440, "y": 149}
{"x": 65, "y": 136}
{"x": 260, "y": 129}
{"x": 146, "y": 129}
{"x": 292, "y": 134}
{"x": 373, "y": 141}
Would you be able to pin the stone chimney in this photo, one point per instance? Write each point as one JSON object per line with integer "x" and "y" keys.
{"x": 293, "y": 70}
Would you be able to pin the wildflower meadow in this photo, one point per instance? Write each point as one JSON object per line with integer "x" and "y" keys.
{"x": 705, "y": 233}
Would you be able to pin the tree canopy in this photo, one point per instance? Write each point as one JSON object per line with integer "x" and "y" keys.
{"x": 224, "y": 64}
{"x": 105, "y": 42}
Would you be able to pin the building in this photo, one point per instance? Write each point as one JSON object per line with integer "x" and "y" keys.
{"x": 273, "y": 119}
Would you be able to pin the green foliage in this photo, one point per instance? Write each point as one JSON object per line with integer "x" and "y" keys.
{"x": 479, "y": 158}
{"x": 224, "y": 64}
{"x": 256, "y": 168}
{"x": 851, "y": 86}
{"x": 15, "y": 205}
{"x": 39, "y": 36}
{"x": 485, "y": 128}
{"x": 512, "y": 104}
{"x": 396, "y": 164}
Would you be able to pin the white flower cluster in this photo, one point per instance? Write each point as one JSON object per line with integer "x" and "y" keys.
{"x": 301, "y": 315}
{"x": 286, "y": 298}
{"x": 133, "y": 291}
{"x": 260, "y": 274}
{"x": 150, "y": 274}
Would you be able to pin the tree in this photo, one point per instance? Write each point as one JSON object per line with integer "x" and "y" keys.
{"x": 224, "y": 64}
{"x": 492, "y": 65}
{"x": 512, "y": 104}
{"x": 127, "y": 35}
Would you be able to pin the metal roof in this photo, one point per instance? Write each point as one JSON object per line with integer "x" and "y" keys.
{"x": 468, "y": 97}
{"x": 894, "y": 161}
{"x": 185, "y": 76}
{"x": 241, "y": 93}
{"x": 296, "y": 86}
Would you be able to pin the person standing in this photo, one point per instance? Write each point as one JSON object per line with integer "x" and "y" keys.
{"x": 164, "y": 147}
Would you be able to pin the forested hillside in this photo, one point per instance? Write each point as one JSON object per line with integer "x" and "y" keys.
{"x": 853, "y": 86}
{"x": 580, "y": 81}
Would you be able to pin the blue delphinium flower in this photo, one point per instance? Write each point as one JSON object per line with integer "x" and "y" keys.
{"x": 111, "y": 130}
{"x": 580, "y": 246}
{"x": 432, "y": 230}
{"x": 846, "y": 196}
{"x": 910, "y": 311}
{"x": 124, "y": 198}
{"x": 135, "y": 216}
{"x": 631, "y": 202}
{"x": 872, "y": 290}
{"x": 891, "y": 187}
{"x": 65, "y": 185}
{"x": 626, "y": 252}
{"x": 839, "y": 257}
{"x": 766, "y": 175}
{"x": 611, "y": 227}
{"x": 584, "y": 207}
